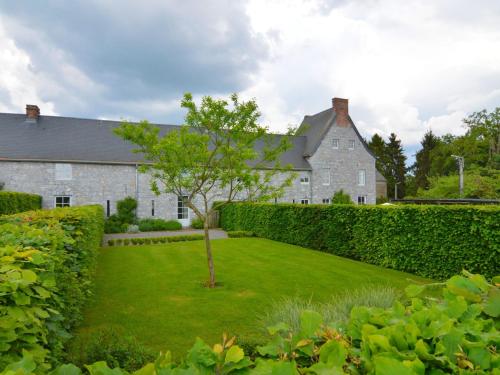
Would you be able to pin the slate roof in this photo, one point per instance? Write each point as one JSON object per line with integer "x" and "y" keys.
{"x": 315, "y": 127}
{"x": 67, "y": 139}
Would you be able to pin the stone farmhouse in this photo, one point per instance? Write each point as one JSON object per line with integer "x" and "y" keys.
{"x": 73, "y": 161}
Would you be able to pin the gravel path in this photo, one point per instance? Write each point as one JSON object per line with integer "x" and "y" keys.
{"x": 214, "y": 234}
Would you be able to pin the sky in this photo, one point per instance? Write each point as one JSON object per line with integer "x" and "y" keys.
{"x": 405, "y": 66}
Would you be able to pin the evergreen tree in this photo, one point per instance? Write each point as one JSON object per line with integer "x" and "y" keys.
{"x": 378, "y": 147}
{"x": 422, "y": 166}
{"x": 395, "y": 167}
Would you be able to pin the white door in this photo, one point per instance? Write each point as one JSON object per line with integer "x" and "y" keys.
{"x": 183, "y": 212}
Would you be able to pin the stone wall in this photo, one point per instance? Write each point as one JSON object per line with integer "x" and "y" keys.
{"x": 344, "y": 165}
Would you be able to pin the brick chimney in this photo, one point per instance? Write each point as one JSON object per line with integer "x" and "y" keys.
{"x": 341, "y": 107}
{"x": 32, "y": 112}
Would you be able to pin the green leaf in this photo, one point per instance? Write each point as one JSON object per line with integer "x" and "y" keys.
{"x": 310, "y": 322}
{"x": 28, "y": 276}
{"x": 26, "y": 363}
{"x": 389, "y": 366}
{"x": 201, "y": 354}
{"x": 333, "y": 353}
{"x": 414, "y": 290}
{"x": 234, "y": 354}
{"x": 491, "y": 305}
{"x": 280, "y": 327}
{"x": 101, "y": 368}
{"x": 69, "y": 369}
{"x": 461, "y": 286}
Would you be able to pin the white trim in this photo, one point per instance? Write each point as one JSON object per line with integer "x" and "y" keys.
{"x": 326, "y": 171}
{"x": 327, "y": 201}
{"x": 304, "y": 180}
{"x": 351, "y": 142}
{"x": 304, "y": 201}
{"x": 337, "y": 141}
{"x": 361, "y": 177}
{"x": 362, "y": 199}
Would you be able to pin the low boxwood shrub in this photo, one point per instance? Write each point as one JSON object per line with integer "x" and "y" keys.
{"x": 431, "y": 241}
{"x": 126, "y": 241}
{"x": 240, "y": 233}
{"x": 119, "y": 241}
{"x": 111, "y": 242}
{"x": 457, "y": 334}
{"x": 154, "y": 225}
{"x": 48, "y": 260}
{"x": 12, "y": 202}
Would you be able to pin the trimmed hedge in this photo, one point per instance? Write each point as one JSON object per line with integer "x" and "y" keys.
{"x": 12, "y": 202}
{"x": 154, "y": 240}
{"x": 431, "y": 241}
{"x": 240, "y": 233}
{"x": 48, "y": 260}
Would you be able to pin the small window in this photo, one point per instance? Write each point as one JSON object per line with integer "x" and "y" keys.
{"x": 63, "y": 172}
{"x": 62, "y": 201}
{"x": 326, "y": 200}
{"x": 335, "y": 144}
{"x": 182, "y": 210}
{"x": 325, "y": 176}
{"x": 351, "y": 144}
{"x": 108, "y": 208}
{"x": 304, "y": 180}
{"x": 152, "y": 207}
{"x": 361, "y": 177}
{"x": 304, "y": 201}
{"x": 361, "y": 199}
{"x": 293, "y": 200}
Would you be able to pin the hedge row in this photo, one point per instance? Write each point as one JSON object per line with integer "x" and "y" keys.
{"x": 48, "y": 259}
{"x": 12, "y": 202}
{"x": 431, "y": 241}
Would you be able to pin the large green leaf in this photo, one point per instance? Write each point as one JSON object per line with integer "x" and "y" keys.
{"x": 333, "y": 353}
{"x": 391, "y": 366}
{"x": 491, "y": 305}
{"x": 462, "y": 286}
{"x": 234, "y": 354}
{"x": 310, "y": 322}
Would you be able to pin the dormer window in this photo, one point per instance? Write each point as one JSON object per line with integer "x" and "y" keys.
{"x": 304, "y": 180}
{"x": 351, "y": 144}
{"x": 335, "y": 144}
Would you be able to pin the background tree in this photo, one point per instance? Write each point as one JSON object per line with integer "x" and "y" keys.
{"x": 341, "y": 197}
{"x": 484, "y": 128}
{"x": 379, "y": 148}
{"x": 422, "y": 166}
{"x": 220, "y": 154}
{"x": 396, "y": 169}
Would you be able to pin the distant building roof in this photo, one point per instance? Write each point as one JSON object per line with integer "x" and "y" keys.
{"x": 68, "y": 139}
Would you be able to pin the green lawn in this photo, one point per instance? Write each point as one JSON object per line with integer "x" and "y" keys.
{"x": 155, "y": 292}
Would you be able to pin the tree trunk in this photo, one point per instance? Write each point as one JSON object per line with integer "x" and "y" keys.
{"x": 208, "y": 246}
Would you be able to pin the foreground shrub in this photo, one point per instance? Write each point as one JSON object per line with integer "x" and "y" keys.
{"x": 125, "y": 216}
{"x": 196, "y": 223}
{"x": 12, "y": 202}
{"x": 455, "y": 335}
{"x": 48, "y": 260}
{"x": 337, "y": 310}
{"x": 153, "y": 225}
{"x": 113, "y": 347}
{"x": 340, "y": 197}
{"x": 431, "y": 241}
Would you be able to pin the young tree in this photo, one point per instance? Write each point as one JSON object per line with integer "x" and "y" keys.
{"x": 423, "y": 161}
{"x": 395, "y": 167}
{"x": 219, "y": 155}
{"x": 484, "y": 127}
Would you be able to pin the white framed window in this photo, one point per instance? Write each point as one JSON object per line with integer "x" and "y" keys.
{"x": 361, "y": 177}
{"x": 182, "y": 209}
{"x": 152, "y": 207}
{"x": 63, "y": 172}
{"x": 108, "y": 208}
{"x": 350, "y": 144}
{"x": 361, "y": 199}
{"x": 304, "y": 180}
{"x": 335, "y": 143}
{"x": 62, "y": 201}
{"x": 325, "y": 176}
{"x": 326, "y": 200}
{"x": 304, "y": 201}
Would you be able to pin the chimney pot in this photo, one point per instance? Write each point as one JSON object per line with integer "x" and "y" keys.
{"x": 341, "y": 108}
{"x": 32, "y": 112}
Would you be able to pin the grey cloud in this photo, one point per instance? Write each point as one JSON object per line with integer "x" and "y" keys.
{"x": 138, "y": 50}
